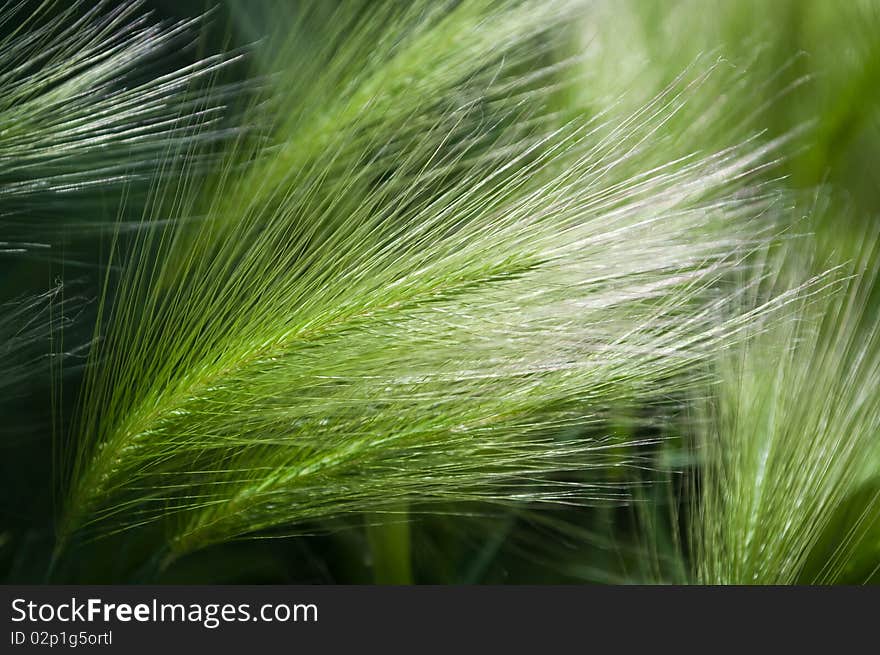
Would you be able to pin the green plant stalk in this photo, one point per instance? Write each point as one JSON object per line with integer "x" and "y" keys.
{"x": 390, "y": 546}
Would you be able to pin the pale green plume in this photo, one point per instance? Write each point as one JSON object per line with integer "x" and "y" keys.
{"x": 72, "y": 120}
{"x": 406, "y": 289}
{"x": 82, "y": 109}
{"x": 789, "y": 488}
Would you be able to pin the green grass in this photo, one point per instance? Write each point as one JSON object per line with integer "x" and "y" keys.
{"x": 450, "y": 292}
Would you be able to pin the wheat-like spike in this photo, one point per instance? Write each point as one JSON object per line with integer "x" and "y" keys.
{"x": 789, "y": 450}
{"x": 413, "y": 306}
